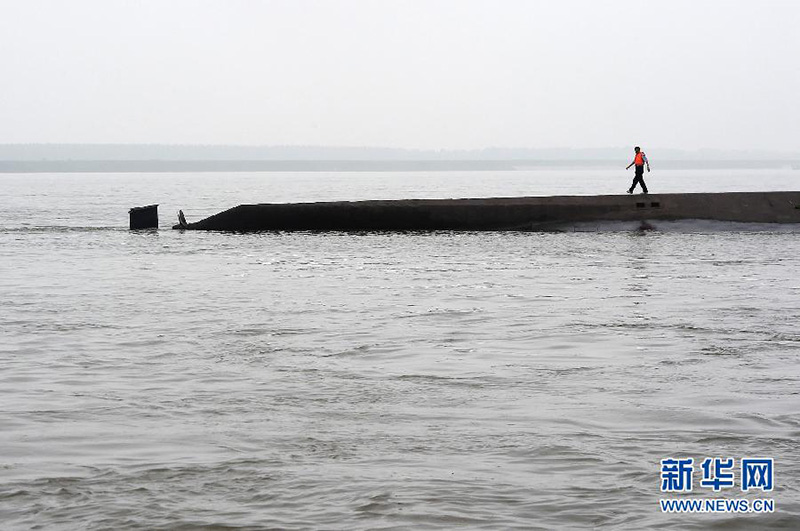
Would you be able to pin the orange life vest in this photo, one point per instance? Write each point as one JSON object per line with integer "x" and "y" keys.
{"x": 639, "y": 159}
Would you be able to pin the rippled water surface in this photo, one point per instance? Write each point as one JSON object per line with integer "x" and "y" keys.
{"x": 185, "y": 380}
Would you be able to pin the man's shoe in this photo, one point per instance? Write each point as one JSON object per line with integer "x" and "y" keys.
{"x": 630, "y": 191}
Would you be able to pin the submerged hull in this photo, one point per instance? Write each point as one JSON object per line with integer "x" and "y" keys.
{"x": 503, "y": 214}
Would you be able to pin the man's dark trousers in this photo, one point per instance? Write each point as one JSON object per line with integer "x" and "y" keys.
{"x": 639, "y": 178}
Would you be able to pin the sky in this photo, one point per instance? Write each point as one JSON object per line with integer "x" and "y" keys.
{"x": 424, "y": 74}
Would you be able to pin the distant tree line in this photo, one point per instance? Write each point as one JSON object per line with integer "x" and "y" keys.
{"x": 195, "y": 152}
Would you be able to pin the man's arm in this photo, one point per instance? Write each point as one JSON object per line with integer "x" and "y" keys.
{"x": 629, "y": 165}
{"x": 647, "y": 162}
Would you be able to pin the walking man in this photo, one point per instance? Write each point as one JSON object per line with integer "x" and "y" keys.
{"x": 639, "y": 161}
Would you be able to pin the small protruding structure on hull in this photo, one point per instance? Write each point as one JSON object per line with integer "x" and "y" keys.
{"x": 144, "y": 217}
{"x": 181, "y": 221}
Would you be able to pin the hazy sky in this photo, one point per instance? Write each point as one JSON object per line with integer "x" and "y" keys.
{"x": 415, "y": 73}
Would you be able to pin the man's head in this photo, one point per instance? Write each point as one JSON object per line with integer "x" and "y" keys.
{"x": 636, "y": 149}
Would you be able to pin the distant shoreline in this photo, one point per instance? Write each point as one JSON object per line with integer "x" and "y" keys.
{"x": 191, "y": 166}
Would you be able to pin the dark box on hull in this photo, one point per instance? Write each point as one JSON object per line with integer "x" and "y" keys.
{"x": 144, "y": 217}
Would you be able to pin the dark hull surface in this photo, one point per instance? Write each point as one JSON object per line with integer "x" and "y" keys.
{"x": 503, "y": 214}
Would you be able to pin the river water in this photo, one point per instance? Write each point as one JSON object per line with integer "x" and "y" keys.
{"x": 190, "y": 380}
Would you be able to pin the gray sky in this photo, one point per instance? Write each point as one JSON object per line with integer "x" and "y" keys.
{"x": 429, "y": 74}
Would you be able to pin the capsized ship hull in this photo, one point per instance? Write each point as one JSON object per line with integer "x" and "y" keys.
{"x": 503, "y": 213}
